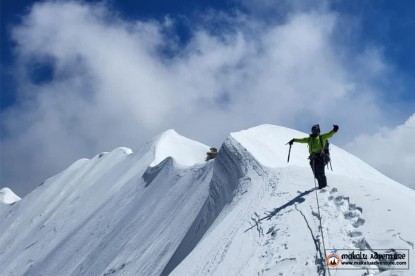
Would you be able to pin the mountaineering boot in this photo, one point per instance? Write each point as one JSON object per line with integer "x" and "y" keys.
{"x": 322, "y": 182}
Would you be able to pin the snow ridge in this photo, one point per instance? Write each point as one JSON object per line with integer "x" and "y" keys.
{"x": 162, "y": 210}
{"x": 227, "y": 172}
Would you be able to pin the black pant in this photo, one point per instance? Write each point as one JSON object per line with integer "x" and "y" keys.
{"x": 317, "y": 165}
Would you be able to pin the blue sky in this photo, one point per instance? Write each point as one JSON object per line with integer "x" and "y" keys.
{"x": 78, "y": 78}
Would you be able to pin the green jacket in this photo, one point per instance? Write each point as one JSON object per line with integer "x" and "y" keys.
{"x": 314, "y": 144}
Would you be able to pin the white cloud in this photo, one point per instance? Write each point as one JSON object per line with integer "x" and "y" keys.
{"x": 390, "y": 150}
{"x": 112, "y": 86}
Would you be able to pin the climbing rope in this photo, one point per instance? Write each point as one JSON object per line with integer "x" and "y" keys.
{"x": 319, "y": 218}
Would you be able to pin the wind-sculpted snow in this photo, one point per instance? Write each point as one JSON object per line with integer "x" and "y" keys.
{"x": 7, "y": 196}
{"x": 227, "y": 173}
{"x": 186, "y": 152}
{"x": 162, "y": 210}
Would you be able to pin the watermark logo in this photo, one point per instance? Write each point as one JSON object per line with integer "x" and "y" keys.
{"x": 333, "y": 260}
{"x": 355, "y": 259}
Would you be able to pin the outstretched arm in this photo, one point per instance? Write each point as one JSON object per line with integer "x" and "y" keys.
{"x": 298, "y": 140}
{"x": 302, "y": 140}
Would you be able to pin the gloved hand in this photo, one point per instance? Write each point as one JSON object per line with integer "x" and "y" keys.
{"x": 335, "y": 128}
{"x": 291, "y": 142}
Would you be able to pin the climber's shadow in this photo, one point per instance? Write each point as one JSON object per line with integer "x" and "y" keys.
{"x": 298, "y": 199}
{"x": 269, "y": 214}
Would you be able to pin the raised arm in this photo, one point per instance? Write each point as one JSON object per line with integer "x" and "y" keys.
{"x": 330, "y": 134}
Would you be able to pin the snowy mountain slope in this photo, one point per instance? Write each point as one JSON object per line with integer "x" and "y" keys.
{"x": 113, "y": 212}
{"x": 163, "y": 210}
{"x": 271, "y": 225}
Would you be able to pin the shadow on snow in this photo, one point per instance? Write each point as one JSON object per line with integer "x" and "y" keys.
{"x": 298, "y": 199}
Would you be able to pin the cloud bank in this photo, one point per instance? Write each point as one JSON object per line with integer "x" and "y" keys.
{"x": 390, "y": 150}
{"x": 91, "y": 81}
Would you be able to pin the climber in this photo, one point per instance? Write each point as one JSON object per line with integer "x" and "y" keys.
{"x": 316, "y": 145}
{"x": 212, "y": 154}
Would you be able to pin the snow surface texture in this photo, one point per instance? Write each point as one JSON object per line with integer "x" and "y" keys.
{"x": 163, "y": 210}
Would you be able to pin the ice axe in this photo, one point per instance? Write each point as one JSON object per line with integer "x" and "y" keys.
{"x": 289, "y": 151}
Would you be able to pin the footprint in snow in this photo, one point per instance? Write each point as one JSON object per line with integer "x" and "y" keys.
{"x": 358, "y": 222}
{"x": 354, "y": 234}
{"x": 339, "y": 200}
{"x": 361, "y": 244}
{"x": 352, "y": 212}
{"x": 355, "y": 207}
{"x": 333, "y": 190}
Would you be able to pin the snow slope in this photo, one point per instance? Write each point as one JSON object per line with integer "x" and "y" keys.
{"x": 113, "y": 212}
{"x": 271, "y": 225}
{"x": 163, "y": 210}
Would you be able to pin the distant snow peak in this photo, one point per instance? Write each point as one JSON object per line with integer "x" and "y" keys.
{"x": 7, "y": 196}
{"x": 117, "y": 151}
{"x": 184, "y": 151}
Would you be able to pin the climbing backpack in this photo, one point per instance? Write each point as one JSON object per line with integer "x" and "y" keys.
{"x": 325, "y": 151}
